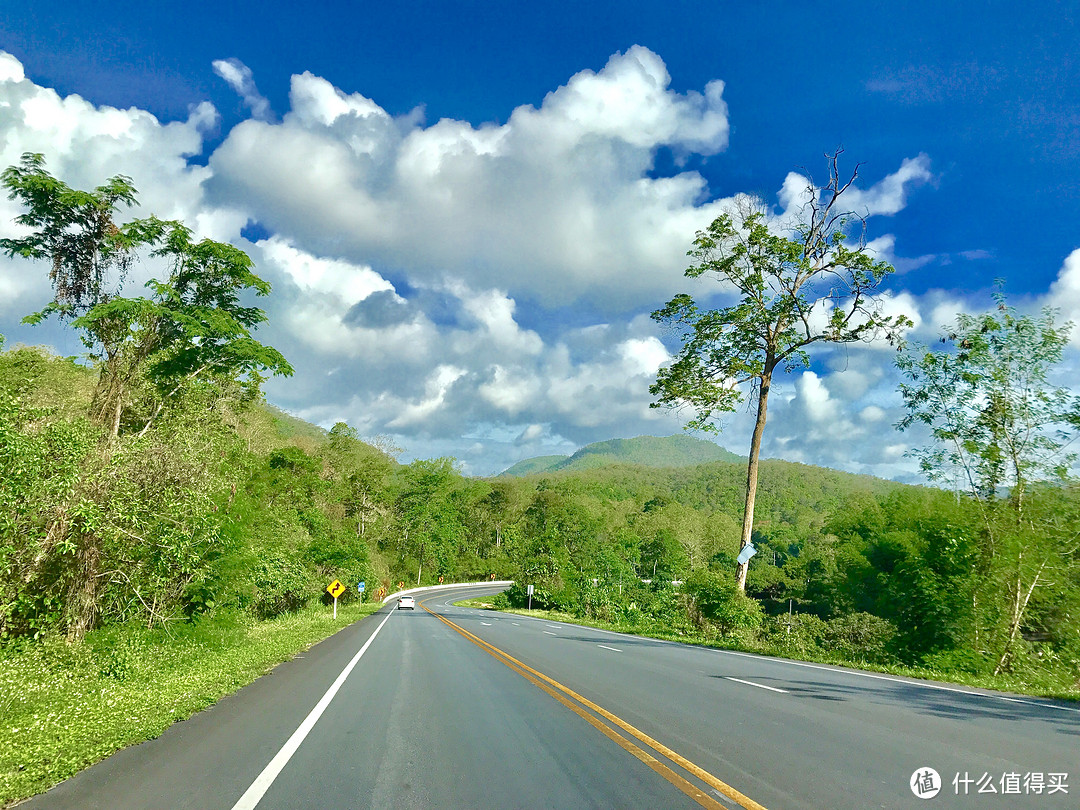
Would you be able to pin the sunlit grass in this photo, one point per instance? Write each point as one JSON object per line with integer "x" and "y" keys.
{"x": 65, "y": 706}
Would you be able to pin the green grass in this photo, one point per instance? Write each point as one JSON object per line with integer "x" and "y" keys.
{"x": 66, "y": 706}
{"x": 1034, "y": 683}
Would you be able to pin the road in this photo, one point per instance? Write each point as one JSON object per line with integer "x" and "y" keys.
{"x": 457, "y": 708}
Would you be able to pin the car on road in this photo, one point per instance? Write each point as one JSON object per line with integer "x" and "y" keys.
{"x": 406, "y": 602}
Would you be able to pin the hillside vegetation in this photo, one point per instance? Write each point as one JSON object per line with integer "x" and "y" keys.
{"x": 645, "y": 451}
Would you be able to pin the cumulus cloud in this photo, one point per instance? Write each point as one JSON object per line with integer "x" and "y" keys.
{"x": 1064, "y": 293}
{"x": 556, "y": 204}
{"x": 238, "y": 76}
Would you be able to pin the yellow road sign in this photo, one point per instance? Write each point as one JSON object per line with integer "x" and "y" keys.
{"x": 335, "y": 589}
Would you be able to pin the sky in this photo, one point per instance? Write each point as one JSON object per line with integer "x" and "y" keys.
{"x": 469, "y": 210}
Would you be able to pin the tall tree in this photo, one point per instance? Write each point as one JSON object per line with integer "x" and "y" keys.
{"x": 999, "y": 426}
{"x": 813, "y": 281}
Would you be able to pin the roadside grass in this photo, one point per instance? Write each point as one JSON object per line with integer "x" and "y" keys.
{"x": 66, "y": 706}
{"x": 1036, "y": 683}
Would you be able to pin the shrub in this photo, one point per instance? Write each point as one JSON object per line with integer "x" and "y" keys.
{"x": 860, "y": 637}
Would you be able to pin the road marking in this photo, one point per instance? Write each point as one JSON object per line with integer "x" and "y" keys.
{"x": 837, "y": 670}
{"x": 551, "y": 634}
{"x": 486, "y": 624}
{"x": 924, "y": 684}
{"x": 550, "y": 685}
{"x": 515, "y": 624}
{"x": 604, "y": 647}
{"x": 554, "y": 625}
{"x": 758, "y": 685}
{"x": 265, "y": 779}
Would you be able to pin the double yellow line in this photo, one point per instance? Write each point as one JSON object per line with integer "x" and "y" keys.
{"x": 566, "y": 696}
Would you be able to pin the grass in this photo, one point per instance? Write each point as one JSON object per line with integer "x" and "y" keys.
{"x": 65, "y": 706}
{"x": 1033, "y": 683}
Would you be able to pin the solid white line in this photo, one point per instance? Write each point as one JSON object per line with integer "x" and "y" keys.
{"x": 550, "y": 634}
{"x": 758, "y": 685}
{"x": 264, "y": 780}
{"x": 601, "y": 646}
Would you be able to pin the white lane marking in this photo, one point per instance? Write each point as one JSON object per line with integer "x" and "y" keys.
{"x": 758, "y": 685}
{"x": 486, "y": 624}
{"x": 554, "y": 625}
{"x": 515, "y": 624}
{"x": 837, "y": 670}
{"x": 265, "y": 779}
{"x": 924, "y": 684}
{"x": 604, "y": 647}
{"x": 550, "y": 634}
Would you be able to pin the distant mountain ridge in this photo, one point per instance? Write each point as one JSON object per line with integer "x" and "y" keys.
{"x": 644, "y": 451}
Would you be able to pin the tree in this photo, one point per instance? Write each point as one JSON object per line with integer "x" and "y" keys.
{"x": 999, "y": 427}
{"x": 192, "y": 328}
{"x": 814, "y": 284}
{"x": 76, "y": 231}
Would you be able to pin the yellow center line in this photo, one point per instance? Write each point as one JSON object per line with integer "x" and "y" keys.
{"x": 544, "y": 682}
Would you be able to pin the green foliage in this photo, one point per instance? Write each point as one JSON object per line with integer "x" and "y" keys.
{"x": 64, "y": 706}
{"x": 999, "y": 425}
{"x": 987, "y": 400}
{"x": 193, "y": 328}
{"x": 720, "y": 602}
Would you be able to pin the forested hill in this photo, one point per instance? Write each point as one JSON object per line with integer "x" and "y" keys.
{"x": 646, "y": 451}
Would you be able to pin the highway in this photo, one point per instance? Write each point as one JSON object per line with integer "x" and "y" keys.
{"x": 448, "y": 707}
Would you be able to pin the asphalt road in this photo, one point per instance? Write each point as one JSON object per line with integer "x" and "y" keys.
{"x": 476, "y": 709}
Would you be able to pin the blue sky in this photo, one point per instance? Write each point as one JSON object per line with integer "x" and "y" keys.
{"x": 512, "y": 320}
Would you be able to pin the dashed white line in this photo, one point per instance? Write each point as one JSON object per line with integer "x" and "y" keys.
{"x": 923, "y": 684}
{"x": 605, "y": 647}
{"x": 758, "y": 685}
{"x": 515, "y": 624}
{"x": 550, "y": 634}
{"x": 486, "y": 624}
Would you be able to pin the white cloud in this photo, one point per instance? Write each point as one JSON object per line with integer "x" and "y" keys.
{"x": 1064, "y": 293}
{"x": 239, "y": 78}
{"x": 886, "y": 197}
{"x": 556, "y": 204}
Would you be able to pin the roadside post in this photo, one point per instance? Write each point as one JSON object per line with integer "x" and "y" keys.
{"x": 530, "y": 591}
{"x": 335, "y": 589}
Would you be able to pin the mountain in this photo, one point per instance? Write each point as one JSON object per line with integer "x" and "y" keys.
{"x": 644, "y": 451}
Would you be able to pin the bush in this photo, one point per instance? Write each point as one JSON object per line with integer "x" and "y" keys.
{"x": 860, "y": 637}
{"x": 281, "y": 586}
{"x": 796, "y": 635}
{"x": 718, "y": 600}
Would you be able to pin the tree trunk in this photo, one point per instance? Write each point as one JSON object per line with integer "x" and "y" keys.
{"x": 1019, "y": 607}
{"x": 82, "y": 596}
{"x": 752, "y": 468}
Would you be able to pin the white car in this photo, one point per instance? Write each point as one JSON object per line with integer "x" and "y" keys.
{"x": 406, "y": 602}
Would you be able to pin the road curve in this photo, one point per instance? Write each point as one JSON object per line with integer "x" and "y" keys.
{"x": 452, "y": 707}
